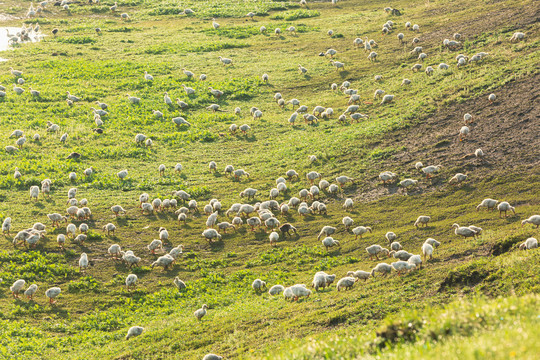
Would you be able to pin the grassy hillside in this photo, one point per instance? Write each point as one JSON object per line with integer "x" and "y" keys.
{"x": 94, "y": 311}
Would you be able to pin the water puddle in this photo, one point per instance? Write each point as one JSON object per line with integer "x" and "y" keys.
{"x": 11, "y": 37}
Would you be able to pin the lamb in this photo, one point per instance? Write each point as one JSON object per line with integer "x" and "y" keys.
{"x": 359, "y": 274}
{"x": 327, "y": 231}
{"x": 505, "y": 206}
{"x": 535, "y": 220}
{"x": 329, "y": 242}
{"x": 422, "y": 220}
{"x": 211, "y": 234}
{"x": 258, "y": 285}
{"x": 487, "y": 203}
{"x": 276, "y": 290}
{"x": 530, "y": 243}
{"x": 134, "y": 331}
{"x": 375, "y": 250}
{"x": 346, "y": 283}
{"x": 360, "y": 230}
{"x": 383, "y": 268}
{"x": 427, "y": 250}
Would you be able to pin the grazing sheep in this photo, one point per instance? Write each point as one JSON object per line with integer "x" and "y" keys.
{"x": 535, "y": 220}
{"x": 375, "y": 250}
{"x": 487, "y": 203}
{"x": 134, "y": 330}
{"x": 530, "y": 243}
{"x": 504, "y": 207}
{"x": 346, "y": 283}
{"x": 258, "y": 285}
{"x": 422, "y": 220}
{"x": 383, "y": 268}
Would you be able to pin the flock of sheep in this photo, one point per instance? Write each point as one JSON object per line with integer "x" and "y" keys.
{"x": 261, "y": 214}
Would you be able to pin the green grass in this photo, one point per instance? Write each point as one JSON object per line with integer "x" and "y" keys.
{"x": 475, "y": 299}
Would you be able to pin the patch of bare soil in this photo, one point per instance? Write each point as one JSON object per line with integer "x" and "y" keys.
{"x": 507, "y": 131}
